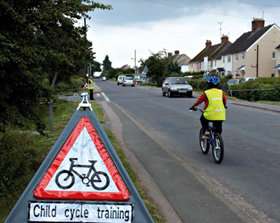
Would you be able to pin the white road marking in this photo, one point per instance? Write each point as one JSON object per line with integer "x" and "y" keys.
{"x": 105, "y": 96}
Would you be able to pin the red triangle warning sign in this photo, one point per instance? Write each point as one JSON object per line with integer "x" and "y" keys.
{"x": 83, "y": 170}
{"x": 85, "y": 86}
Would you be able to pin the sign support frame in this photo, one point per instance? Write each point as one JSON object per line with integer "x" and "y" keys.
{"x": 19, "y": 213}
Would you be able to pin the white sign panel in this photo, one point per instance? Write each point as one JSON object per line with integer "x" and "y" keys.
{"x": 205, "y": 63}
{"x": 77, "y": 212}
{"x": 82, "y": 159}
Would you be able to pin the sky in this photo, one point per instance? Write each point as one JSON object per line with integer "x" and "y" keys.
{"x": 150, "y": 26}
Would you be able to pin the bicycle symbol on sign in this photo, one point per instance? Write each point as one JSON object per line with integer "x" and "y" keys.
{"x": 99, "y": 180}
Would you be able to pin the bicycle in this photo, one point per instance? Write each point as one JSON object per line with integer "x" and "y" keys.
{"x": 214, "y": 139}
{"x": 99, "y": 180}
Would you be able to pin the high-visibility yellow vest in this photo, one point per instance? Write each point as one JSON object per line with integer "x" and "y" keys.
{"x": 215, "y": 110}
{"x": 90, "y": 84}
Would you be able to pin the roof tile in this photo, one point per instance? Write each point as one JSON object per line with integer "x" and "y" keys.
{"x": 246, "y": 40}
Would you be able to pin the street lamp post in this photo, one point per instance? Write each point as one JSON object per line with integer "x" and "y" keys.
{"x": 135, "y": 62}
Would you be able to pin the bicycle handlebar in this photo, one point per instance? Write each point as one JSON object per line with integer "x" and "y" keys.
{"x": 197, "y": 108}
{"x": 200, "y": 109}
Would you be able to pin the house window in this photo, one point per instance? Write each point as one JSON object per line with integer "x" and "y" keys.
{"x": 236, "y": 57}
{"x": 211, "y": 63}
{"x": 228, "y": 59}
{"x": 273, "y": 55}
{"x": 243, "y": 56}
{"x": 215, "y": 63}
{"x": 224, "y": 59}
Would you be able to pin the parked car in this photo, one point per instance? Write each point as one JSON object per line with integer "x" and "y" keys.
{"x": 120, "y": 79}
{"x": 176, "y": 86}
{"x": 240, "y": 81}
{"x": 249, "y": 79}
{"x": 103, "y": 78}
{"x": 128, "y": 80}
{"x": 233, "y": 81}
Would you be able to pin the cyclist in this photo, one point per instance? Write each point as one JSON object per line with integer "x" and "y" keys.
{"x": 214, "y": 105}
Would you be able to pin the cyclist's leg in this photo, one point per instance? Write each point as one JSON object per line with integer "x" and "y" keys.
{"x": 218, "y": 126}
{"x": 204, "y": 123}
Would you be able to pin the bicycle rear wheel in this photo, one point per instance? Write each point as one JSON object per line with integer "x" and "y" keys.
{"x": 204, "y": 143}
{"x": 218, "y": 150}
{"x": 65, "y": 179}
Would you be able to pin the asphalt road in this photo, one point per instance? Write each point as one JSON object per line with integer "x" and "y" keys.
{"x": 245, "y": 187}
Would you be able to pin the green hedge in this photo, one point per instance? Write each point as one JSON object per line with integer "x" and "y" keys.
{"x": 262, "y": 89}
{"x": 256, "y": 90}
{"x": 198, "y": 84}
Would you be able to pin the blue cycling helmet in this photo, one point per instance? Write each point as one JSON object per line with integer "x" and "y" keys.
{"x": 213, "y": 80}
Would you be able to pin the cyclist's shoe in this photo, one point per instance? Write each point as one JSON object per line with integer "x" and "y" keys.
{"x": 206, "y": 135}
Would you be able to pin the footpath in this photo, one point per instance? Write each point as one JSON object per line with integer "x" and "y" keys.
{"x": 180, "y": 194}
{"x": 262, "y": 106}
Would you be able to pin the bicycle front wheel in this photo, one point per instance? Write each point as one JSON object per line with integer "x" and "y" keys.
{"x": 100, "y": 180}
{"x": 218, "y": 149}
{"x": 204, "y": 143}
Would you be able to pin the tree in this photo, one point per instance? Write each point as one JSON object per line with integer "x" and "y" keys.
{"x": 160, "y": 66}
{"x": 173, "y": 68}
{"x": 95, "y": 66}
{"x": 107, "y": 64}
{"x": 157, "y": 65}
{"x": 40, "y": 45}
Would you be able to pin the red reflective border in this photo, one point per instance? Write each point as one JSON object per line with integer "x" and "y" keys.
{"x": 122, "y": 195}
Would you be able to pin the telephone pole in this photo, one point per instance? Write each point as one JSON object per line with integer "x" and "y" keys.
{"x": 135, "y": 62}
{"x": 86, "y": 66}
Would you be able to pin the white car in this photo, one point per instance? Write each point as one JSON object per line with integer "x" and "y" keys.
{"x": 233, "y": 81}
{"x": 249, "y": 78}
{"x": 103, "y": 78}
{"x": 128, "y": 80}
{"x": 120, "y": 79}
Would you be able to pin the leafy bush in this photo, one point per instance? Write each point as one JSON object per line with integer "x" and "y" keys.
{"x": 18, "y": 162}
{"x": 76, "y": 82}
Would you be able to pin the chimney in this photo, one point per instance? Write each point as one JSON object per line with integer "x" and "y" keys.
{"x": 176, "y": 52}
{"x": 224, "y": 38}
{"x": 257, "y": 23}
{"x": 208, "y": 43}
